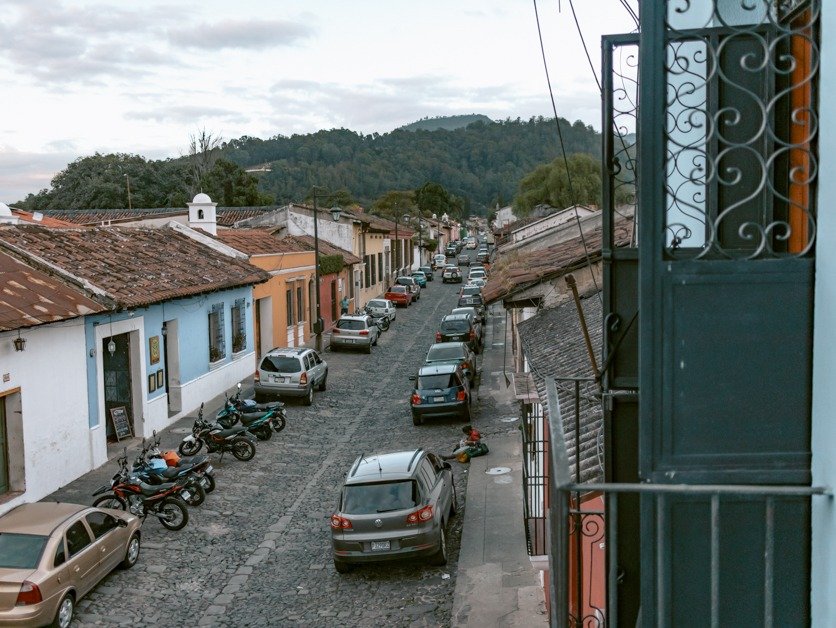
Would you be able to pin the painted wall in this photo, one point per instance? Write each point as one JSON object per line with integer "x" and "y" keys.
{"x": 823, "y": 586}
{"x": 374, "y": 245}
{"x": 54, "y": 445}
{"x": 339, "y": 234}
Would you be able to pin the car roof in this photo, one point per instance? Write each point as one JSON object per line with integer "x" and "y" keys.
{"x": 289, "y": 350}
{"x": 39, "y": 518}
{"x": 399, "y": 465}
{"x": 455, "y": 316}
{"x": 437, "y": 369}
{"x": 358, "y": 317}
{"x": 446, "y": 345}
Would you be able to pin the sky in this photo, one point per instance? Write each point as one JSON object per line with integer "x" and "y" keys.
{"x": 110, "y": 76}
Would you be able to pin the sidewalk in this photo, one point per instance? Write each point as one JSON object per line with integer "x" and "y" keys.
{"x": 496, "y": 584}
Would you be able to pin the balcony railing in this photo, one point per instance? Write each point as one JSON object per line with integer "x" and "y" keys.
{"x": 574, "y": 530}
{"x": 534, "y": 478}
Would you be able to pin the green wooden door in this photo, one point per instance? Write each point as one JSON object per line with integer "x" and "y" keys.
{"x": 4, "y": 450}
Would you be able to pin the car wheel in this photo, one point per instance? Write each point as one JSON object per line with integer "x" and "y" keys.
{"x": 454, "y": 505}
{"x": 64, "y": 615}
{"x": 466, "y": 414}
{"x": 417, "y": 419}
{"x": 369, "y": 348}
{"x": 376, "y": 338}
{"x": 131, "y": 553}
{"x": 308, "y": 400}
{"x": 342, "y": 566}
{"x": 440, "y": 556}
{"x": 323, "y": 383}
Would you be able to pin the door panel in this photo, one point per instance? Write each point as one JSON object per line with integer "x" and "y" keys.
{"x": 117, "y": 378}
{"x": 4, "y": 453}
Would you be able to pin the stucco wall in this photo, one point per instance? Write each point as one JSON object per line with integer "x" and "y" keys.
{"x": 55, "y": 447}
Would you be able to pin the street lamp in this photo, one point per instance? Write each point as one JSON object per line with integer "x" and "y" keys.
{"x": 335, "y": 215}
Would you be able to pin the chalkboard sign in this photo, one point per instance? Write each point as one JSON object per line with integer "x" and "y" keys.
{"x": 121, "y": 424}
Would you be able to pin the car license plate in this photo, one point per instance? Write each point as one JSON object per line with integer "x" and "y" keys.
{"x": 209, "y": 469}
{"x": 186, "y": 494}
{"x": 438, "y": 399}
{"x": 278, "y": 380}
{"x": 378, "y": 546}
{"x": 455, "y": 337}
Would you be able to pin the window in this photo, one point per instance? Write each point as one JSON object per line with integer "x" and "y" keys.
{"x": 362, "y": 499}
{"x": 373, "y": 265}
{"x": 351, "y": 324}
{"x": 101, "y": 523}
{"x": 380, "y": 265}
{"x": 21, "y": 551}
{"x": 217, "y": 346}
{"x": 308, "y": 362}
{"x": 280, "y": 364}
{"x": 368, "y": 269}
{"x": 60, "y": 555}
{"x": 289, "y": 303}
{"x": 300, "y": 305}
{"x": 239, "y": 326}
{"x": 77, "y": 538}
{"x": 316, "y": 358}
{"x": 431, "y": 382}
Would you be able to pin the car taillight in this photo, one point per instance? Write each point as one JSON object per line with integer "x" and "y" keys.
{"x": 257, "y": 377}
{"x": 420, "y": 516}
{"x": 29, "y": 594}
{"x": 472, "y": 335}
{"x": 416, "y": 399}
{"x": 364, "y": 332}
{"x": 460, "y": 396}
{"x": 438, "y": 336}
{"x": 340, "y": 523}
{"x": 303, "y": 378}
{"x": 465, "y": 364}
{"x": 335, "y": 331}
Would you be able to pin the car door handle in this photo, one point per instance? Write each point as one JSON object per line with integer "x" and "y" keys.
{"x": 76, "y": 569}
{"x": 104, "y": 549}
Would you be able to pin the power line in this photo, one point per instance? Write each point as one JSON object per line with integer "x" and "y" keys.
{"x": 563, "y": 150}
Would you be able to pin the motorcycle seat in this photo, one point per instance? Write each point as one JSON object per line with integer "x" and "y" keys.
{"x": 272, "y": 405}
{"x": 153, "y": 489}
{"x": 251, "y": 417}
{"x": 230, "y": 432}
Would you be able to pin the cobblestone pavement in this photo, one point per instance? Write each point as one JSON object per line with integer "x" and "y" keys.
{"x": 257, "y": 552}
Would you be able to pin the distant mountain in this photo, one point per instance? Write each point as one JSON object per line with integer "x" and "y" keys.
{"x": 447, "y": 123}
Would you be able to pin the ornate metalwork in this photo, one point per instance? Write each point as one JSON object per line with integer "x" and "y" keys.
{"x": 623, "y": 112}
{"x": 741, "y": 127}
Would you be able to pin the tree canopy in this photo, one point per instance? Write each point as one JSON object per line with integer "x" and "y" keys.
{"x": 550, "y": 184}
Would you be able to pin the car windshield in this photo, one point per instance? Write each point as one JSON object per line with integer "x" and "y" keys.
{"x": 440, "y": 352}
{"x": 281, "y": 364}
{"x": 426, "y": 269}
{"x": 366, "y": 499}
{"x": 442, "y": 380}
{"x": 419, "y": 275}
{"x": 21, "y": 551}
{"x": 351, "y": 324}
{"x": 471, "y": 290}
{"x": 406, "y": 281}
{"x": 397, "y": 289}
{"x": 456, "y": 325}
{"x": 377, "y": 303}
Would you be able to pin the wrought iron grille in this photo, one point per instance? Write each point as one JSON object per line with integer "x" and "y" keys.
{"x": 740, "y": 128}
{"x": 570, "y": 594}
{"x": 534, "y": 478}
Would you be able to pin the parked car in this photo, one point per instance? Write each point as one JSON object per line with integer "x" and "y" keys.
{"x": 463, "y": 259}
{"x": 382, "y": 307}
{"x": 393, "y": 506}
{"x": 439, "y": 259}
{"x": 472, "y": 296}
{"x": 482, "y": 256}
{"x": 290, "y": 372}
{"x": 451, "y": 250}
{"x": 399, "y": 295}
{"x": 471, "y": 244}
{"x": 475, "y": 317}
{"x": 479, "y": 266}
{"x": 428, "y": 271}
{"x": 460, "y": 327}
{"x": 476, "y": 273}
{"x": 420, "y": 277}
{"x": 453, "y": 353}
{"x": 355, "y": 332}
{"x": 52, "y": 554}
{"x": 414, "y": 286}
{"x": 478, "y": 281}
{"x": 440, "y": 390}
{"x": 451, "y": 273}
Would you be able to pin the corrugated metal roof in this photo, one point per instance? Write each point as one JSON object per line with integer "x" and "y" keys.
{"x": 29, "y": 297}
{"x": 134, "y": 266}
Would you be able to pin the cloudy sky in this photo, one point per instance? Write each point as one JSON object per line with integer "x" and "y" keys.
{"x": 108, "y": 76}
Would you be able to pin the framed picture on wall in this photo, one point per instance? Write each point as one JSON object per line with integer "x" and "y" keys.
{"x": 154, "y": 349}
{"x": 160, "y": 380}
{"x": 152, "y": 383}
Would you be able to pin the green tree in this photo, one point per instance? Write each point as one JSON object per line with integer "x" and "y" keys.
{"x": 550, "y": 184}
{"x": 230, "y": 186}
{"x": 432, "y": 198}
{"x": 394, "y": 204}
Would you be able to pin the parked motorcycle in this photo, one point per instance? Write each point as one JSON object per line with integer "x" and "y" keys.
{"x": 260, "y": 419}
{"x": 162, "y": 501}
{"x": 154, "y": 470}
{"x": 217, "y": 439}
{"x": 381, "y": 320}
{"x": 197, "y": 464}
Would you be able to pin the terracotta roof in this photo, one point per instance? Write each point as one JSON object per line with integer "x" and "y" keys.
{"x": 404, "y": 232}
{"x": 132, "y": 266}
{"x": 519, "y": 270}
{"x": 260, "y": 242}
{"x": 95, "y": 217}
{"x": 29, "y": 297}
{"x": 228, "y": 216}
{"x": 39, "y": 218}
{"x": 553, "y": 345}
{"x": 326, "y": 248}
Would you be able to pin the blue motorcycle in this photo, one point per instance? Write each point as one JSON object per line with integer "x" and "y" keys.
{"x": 260, "y": 419}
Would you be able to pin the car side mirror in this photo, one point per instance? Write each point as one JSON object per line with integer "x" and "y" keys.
{"x": 239, "y": 385}
{"x": 446, "y": 465}
{"x": 121, "y": 523}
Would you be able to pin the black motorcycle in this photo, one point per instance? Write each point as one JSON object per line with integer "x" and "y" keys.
{"x": 235, "y": 440}
{"x": 260, "y": 419}
{"x": 381, "y": 320}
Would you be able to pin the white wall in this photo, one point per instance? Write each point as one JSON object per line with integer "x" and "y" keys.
{"x": 549, "y": 222}
{"x": 56, "y": 435}
{"x": 337, "y": 233}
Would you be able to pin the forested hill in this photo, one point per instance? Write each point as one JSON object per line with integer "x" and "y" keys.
{"x": 448, "y": 123}
{"x": 482, "y": 163}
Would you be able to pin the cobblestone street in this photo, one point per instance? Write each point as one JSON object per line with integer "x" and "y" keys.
{"x": 258, "y": 551}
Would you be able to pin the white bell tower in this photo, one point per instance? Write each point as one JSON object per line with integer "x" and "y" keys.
{"x": 202, "y": 214}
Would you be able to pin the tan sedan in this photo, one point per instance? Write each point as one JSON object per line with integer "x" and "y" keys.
{"x": 51, "y": 554}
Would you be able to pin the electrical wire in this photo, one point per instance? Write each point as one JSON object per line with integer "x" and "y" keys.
{"x": 563, "y": 150}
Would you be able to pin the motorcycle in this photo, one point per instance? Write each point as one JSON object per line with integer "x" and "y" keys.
{"x": 154, "y": 470}
{"x": 131, "y": 494}
{"x": 197, "y": 464}
{"x": 217, "y": 439}
{"x": 381, "y": 320}
{"x": 260, "y": 419}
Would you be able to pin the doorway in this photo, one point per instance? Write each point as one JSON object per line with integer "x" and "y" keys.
{"x": 117, "y": 380}
{"x": 171, "y": 359}
{"x": 334, "y": 300}
{"x": 4, "y": 450}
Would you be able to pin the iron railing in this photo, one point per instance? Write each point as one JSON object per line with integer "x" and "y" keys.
{"x": 571, "y": 602}
{"x": 534, "y": 478}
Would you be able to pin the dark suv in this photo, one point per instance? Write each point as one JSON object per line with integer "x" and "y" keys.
{"x": 440, "y": 390}
{"x": 471, "y": 296}
{"x": 460, "y": 328}
{"x": 393, "y": 506}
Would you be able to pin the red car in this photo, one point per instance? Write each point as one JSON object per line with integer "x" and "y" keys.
{"x": 399, "y": 295}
